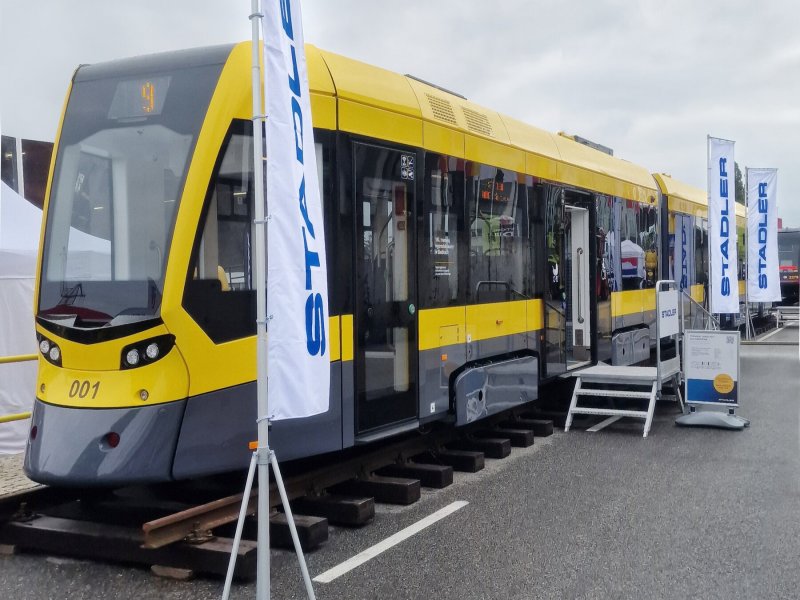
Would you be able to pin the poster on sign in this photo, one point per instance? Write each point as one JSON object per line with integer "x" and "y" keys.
{"x": 711, "y": 367}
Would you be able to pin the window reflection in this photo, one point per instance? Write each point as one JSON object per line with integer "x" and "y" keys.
{"x": 443, "y": 228}
{"x": 499, "y": 233}
{"x": 638, "y": 245}
{"x": 219, "y": 293}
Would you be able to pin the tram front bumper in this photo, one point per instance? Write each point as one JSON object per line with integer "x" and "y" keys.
{"x": 75, "y": 446}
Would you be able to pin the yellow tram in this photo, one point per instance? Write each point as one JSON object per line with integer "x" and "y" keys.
{"x": 472, "y": 259}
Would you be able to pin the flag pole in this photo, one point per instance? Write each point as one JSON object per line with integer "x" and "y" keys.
{"x": 749, "y": 330}
{"x": 262, "y": 557}
{"x": 264, "y": 455}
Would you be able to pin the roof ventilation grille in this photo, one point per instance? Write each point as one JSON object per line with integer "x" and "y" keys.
{"x": 477, "y": 122}
{"x": 442, "y": 109}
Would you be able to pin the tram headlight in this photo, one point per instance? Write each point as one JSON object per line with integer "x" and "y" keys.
{"x": 145, "y": 352}
{"x": 132, "y": 357}
{"x": 50, "y": 351}
{"x": 152, "y": 351}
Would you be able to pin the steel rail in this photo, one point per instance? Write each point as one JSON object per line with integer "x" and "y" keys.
{"x": 176, "y": 527}
{"x": 186, "y": 524}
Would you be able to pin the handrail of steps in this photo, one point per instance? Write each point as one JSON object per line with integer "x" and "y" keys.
{"x": 708, "y": 319}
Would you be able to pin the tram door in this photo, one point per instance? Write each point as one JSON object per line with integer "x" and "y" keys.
{"x": 385, "y": 291}
{"x": 568, "y": 293}
{"x": 578, "y": 296}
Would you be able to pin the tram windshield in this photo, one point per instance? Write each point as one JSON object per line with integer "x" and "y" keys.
{"x": 125, "y": 146}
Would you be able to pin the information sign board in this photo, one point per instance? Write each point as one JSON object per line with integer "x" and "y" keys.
{"x": 711, "y": 367}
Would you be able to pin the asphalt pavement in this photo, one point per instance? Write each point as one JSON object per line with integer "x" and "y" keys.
{"x": 685, "y": 513}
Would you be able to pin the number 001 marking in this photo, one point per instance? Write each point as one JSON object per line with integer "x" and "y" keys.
{"x": 81, "y": 388}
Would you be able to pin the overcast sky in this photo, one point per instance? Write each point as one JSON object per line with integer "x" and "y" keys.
{"x": 648, "y": 78}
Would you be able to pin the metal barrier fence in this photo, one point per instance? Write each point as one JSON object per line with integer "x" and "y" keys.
{"x": 16, "y": 417}
{"x": 16, "y": 359}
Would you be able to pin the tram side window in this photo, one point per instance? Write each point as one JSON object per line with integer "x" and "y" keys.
{"x": 219, "y": 292}
{"x": 631, "y": 252}
{"x": 441, "y": 283}
{"x": 555, "y": 223}
{"x": 639, "y": 245}
{"x": 499, "y": 234}
{"x": 789, "y": 248}
{"x": 536, "y": 257}
{"x": 648, "y": 238}
{"x": 606, "y": 251}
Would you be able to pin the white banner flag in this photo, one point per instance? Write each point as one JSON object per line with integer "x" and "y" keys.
{"x": 763, "y": 276}
{"x": 722, "y": 257}
{"x": 297, "y": 285}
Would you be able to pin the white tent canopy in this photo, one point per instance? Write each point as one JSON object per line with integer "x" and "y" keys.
{"x": 20, "y": 224}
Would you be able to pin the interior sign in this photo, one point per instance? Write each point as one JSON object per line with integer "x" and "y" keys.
{"x": 407, "y": 166}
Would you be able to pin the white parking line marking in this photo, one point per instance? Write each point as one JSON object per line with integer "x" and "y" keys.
{"x": 393, "y": 540}
{"x": 769, "y": 335}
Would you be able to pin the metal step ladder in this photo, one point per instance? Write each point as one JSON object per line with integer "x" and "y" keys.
{"x": 616, "y": 382}
{"x": 636, "y": 383}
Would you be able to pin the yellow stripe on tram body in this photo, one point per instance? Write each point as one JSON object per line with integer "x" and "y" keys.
{"x": 487, "y": 321}
{"x": 370, "y": 121}
{"x": 347, "y": 337}
{"x": 335, "y": 338}
{"x": 535, "y": 312}
{"x": 439, "y": 327}
{"x": 442, "y": 140}
{"x": 631, "y": 302}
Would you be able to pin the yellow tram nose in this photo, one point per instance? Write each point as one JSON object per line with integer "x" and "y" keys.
{"x": 121, "y": 423}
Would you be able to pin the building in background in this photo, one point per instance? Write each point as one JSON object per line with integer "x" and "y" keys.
{"x": 25, "y": 165}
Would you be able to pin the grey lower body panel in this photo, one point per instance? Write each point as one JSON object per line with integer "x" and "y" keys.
{"x": 203, "y": 435}
{"x": 434, "y": 379}
{"x": 487, "y": 389}
{"x": 70, "y": 449}
{"x": 505, "y": 344}
{"x": 218, "y": 427}
{"x": 633, "y": 345}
